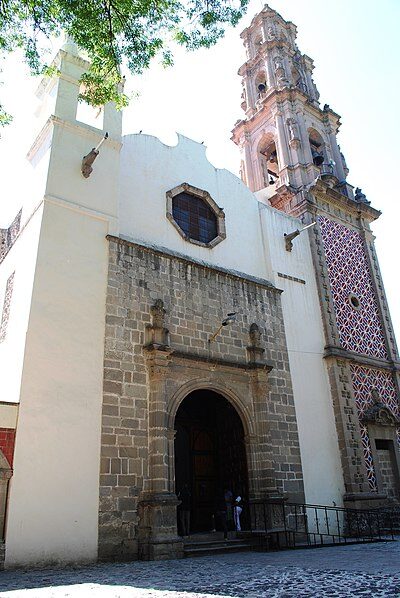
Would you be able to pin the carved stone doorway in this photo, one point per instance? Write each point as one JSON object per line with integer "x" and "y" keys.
{"x": 210, "y": 454}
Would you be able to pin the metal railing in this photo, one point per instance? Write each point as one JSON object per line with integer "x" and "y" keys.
{"x": 287, "y": 525}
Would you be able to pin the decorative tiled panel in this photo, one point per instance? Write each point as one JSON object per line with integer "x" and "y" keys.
{"x": 6, "y": 307}
{"x": 365, "y": 381}
{"x": 360, "y": 328}
{"x": 8, "y": 236}
{"x": 7, "y": 441}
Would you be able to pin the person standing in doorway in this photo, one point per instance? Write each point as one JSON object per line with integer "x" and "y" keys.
{"x": 184, "y": 510}
{"x": 237, "y": 511}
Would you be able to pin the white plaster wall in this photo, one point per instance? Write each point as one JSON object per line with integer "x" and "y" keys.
{"x": 322, "y": 469}
{"x": 53, "y": 504}
{"x": 21, "y": 259}
{"x": 98, "y": 193}
{"x": 149, "y": 169}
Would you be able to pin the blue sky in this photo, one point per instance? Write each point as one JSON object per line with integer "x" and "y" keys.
{"x": 355, "y": 46}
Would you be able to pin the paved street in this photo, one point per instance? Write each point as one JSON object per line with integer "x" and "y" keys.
{"x": 369, "y": 570}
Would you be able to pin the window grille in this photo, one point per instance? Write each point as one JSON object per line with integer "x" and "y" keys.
{"x": 195, "y": 217}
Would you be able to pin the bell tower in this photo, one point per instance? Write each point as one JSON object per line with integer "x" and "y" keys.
{"x": 287, "y": 140}
{"x": 292, "y": 161}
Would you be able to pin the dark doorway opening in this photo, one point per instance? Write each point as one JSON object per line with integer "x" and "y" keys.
{"x": 210, "y": 454}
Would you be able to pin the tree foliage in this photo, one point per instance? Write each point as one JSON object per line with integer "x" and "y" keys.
{"x": 114, "y": 33}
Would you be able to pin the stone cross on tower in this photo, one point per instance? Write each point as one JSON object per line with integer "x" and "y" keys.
{"x": 287, "y": 140}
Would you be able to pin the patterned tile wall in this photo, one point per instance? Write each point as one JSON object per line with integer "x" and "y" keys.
{"x": 365, "y": 380}
{"x": 360, "y": 329}
{"x": 5, "y": 316}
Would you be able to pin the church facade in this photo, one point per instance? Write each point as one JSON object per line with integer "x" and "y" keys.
{"x": 165, "y": 323}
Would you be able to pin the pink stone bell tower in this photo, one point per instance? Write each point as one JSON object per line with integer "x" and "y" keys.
{"x": 286, "y": 139}
{"x": 291, "y": 160}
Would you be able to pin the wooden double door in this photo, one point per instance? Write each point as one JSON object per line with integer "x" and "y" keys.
{"x": 210, "y": 454}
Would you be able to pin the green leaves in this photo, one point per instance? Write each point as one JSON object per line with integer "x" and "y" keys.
{"x": 115, "y": 34}
{"x": 5, "y": 118}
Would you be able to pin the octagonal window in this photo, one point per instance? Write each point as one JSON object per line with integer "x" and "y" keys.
{"x": 195, "y": 215}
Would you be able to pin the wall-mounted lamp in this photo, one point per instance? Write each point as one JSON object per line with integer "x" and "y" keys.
{"x": 289, "y": 237}
{"x": 88, "y": 160}
{"x": 230, "y": 318}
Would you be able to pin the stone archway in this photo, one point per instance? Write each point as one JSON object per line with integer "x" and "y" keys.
{"x": 210, "y": 453}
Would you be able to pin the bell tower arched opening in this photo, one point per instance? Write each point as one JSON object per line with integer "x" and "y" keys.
{"x": 268, "y": 159}
{"x": 210, "y": 455}
{"x": 317, "y": 147}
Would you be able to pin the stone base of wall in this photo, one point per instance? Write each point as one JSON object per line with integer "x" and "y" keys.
{"x": 158, "y": 539}
{"x": 364, "y": 500}
{"x": 160, "y": 550}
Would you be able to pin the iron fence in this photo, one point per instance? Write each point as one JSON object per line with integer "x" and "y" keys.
{"x": 287, "y": 525}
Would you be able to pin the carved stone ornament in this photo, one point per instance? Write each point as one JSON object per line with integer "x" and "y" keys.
{"x": 360, "y": 196}
{"x": 157, "y": 335}
{"x": 255, "y": 350}
{"x": 379, "y": 414}
{"x": 271, "y": 33}
{"x": 294, "y": 133}
{"x": 280, "y": 72}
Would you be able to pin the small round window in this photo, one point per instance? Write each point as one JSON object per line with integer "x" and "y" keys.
{"x": 354, "y": 301}
{"x": 195, "y": 217}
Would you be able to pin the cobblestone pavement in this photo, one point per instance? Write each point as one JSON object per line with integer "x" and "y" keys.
{"x": 358, "y": 570}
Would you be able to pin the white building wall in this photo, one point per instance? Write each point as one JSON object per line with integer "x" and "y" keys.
{"x": 149, "y": 169}
{"x": 53, "y": 503}
{"x": 323, "y": 479}
{"x": 54, "y": 492}
{"x": 21, "y": 260}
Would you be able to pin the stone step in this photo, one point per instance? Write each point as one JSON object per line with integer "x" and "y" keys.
{"x": 208, "y": 537}
{"x": 210, "y": 548}
{"x": 214, "y": 543}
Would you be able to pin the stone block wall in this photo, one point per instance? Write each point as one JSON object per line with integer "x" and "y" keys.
{"x": 144, "y": 378}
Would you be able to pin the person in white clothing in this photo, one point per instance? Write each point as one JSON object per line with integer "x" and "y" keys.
{"x": 237, "y": 510}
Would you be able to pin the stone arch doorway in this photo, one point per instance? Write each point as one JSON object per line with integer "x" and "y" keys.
{"x": 210, "y": 453}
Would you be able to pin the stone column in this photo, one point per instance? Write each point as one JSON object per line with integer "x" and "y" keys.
{"x": 336, "y": 155}
{"x": 158, "y": 535}
{"x": 348, "y": 430}
{"x": 262, "y": 475}
{"x": 250, "y": 177}
{"x": 269, "y": 71}
{"x": 379, "y": 289}
{"x": 250, "y": 92}
{"x": 282, "y": 148}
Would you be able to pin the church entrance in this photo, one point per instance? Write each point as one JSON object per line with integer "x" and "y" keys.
{"x": 210, "y": 455}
